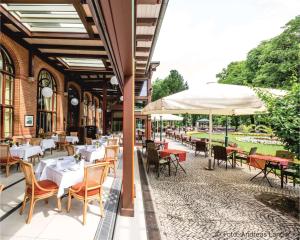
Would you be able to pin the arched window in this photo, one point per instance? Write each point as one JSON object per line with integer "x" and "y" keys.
{"x": 46, "y": 118}
{"x": 7, "y": 75}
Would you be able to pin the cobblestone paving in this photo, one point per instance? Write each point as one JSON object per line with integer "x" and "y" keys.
{"x": 218, "y": 204}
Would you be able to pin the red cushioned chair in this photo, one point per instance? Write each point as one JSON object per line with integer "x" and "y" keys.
{"x": 36, "y": 190}
{"x": 90, "y": 188}
{"x": 6, "y": 159}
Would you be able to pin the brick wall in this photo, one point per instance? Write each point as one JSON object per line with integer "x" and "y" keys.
{"x": 25, "y": 92}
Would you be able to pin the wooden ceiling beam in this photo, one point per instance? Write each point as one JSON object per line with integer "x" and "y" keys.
{"x": 59, "y": 35}
{"x": 75, "y": 55}
{"x": 81, "y": 13}
{"x": 149, "y": 2}
{"x": 142, "y": 49}
{"x": 75, "y": 47}
{"x": 14, "y": 21}
{"x": 141, "y": 58}
{"x": 140, "y": 37}
{"x": 146, "y": 21}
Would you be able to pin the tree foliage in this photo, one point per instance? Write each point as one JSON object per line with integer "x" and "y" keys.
{"x": 284, "y": 117}
{"x": 173, "y": 83}
{"x": 274, "y": 63}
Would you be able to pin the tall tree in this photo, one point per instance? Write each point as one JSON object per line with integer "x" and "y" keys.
{"x": 173, "y": 83}
{"x": 274, "y": 63}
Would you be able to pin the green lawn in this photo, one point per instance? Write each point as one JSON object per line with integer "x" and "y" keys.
{"x": 261, "y": 148}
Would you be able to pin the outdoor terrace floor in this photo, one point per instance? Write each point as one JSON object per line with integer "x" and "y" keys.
{"x": 218, "y": 204}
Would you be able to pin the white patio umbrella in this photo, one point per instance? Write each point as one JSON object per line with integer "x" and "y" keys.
{"x": 164, "y": 117}
{"x": 212, "y": 99}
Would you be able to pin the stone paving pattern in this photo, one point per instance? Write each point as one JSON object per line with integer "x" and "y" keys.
{"x": 218, "y": 204}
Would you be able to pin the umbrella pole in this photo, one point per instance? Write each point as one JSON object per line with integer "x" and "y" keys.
{"x": 210, "y": 167}
{"x": 226, "y": 132}
{"x": 210, "y": 131}
{"x": 161, "y": 125}
{"x": 154, "y": 128}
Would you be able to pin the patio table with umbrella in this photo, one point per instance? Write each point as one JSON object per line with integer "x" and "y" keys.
{"x": 212, "y": 99}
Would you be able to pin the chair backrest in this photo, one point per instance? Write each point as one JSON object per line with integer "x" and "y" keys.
{"x": 220, "y": 152}
{"x": 285, "y": 154}
{"x": 201, "y": 146}
{"x": 94, "y": 176}
{"x": 112, "y": 141}
{"x": 98, "y": 136}
{"x": 4, "y": 153}
{"x": 18, "y": 139}
{"x": 49, "y": 135}
{"x": 70, "y": 150}
{"x": 88, "y": 141}
{"x": 74, "y": 134}
{"x": 61, "y": 138}
{"x": 30, "y": 180}
{"x": 152, "y": 156}
{"x": 151, "y": 145}
{"x": 257, "y": 163}
{"x": 111, "y": 152}
{"x": 253, "y": 151}
{"x": 35, "y": 141}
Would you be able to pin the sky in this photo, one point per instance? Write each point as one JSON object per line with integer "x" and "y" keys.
{"x": 201, "y": 37}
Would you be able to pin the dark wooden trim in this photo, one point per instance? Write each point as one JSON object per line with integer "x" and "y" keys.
{"x": 142, "y": 49}
{"x": 75, "y": 47}
{"x": 37, "y": 1}
{"x": 81, "y": 13}
{"x": 140, "y": 37}
{"x": 75, "y": 55}
{"x": 82, "y": 36}
{"x": 146, "y": 21}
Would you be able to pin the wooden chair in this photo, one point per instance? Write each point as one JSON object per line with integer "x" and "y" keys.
{"x": 220, "y": 154}
{"x": 201, "y": 146}
{"x": 112, "y": 141}
{"x": 291, "y": 170}
{"x": 62, "y": 142}
{"x": 19, "y": 140}
{"x": 90, "y": 188}
{"x": 1, "y": 187}
{"x": 36, "y": 190}
{"x": 74, "y": 134}
{"x": 6, "y": 159}
{"x": 153, "y": 158}
{"x": 98, "y": 136}
{"x": 35, "y": 142}
{"x": 111, "y": 156}
{"x": 243, "y": 156}
{"x": 49, "y": 135}
{"x": 259, "y": 164}
{"x": 88, "y": 141}
{"x": 70, "y": 149}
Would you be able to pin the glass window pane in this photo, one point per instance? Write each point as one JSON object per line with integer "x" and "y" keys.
{"x": 8, "y": 90}
{"x": 8, "y": 122}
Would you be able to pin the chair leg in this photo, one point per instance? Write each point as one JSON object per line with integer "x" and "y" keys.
{"x": 59, "y": 204}
{"x": 7, "y": 170}
{"x": 32, "y": 203}
{"x": 101, "y": 206}
{"x": 84, "y": 211}
{"x": 115, "y": 174}
{"x": 69, "y": 202}
{"x": 23, "y": 204}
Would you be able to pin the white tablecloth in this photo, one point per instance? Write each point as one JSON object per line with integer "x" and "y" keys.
{"x": 90, "y": 152}
{"x": 70, "y": 139}
{"x": 47, "y": 144}
{"x": 25, "y": 152}
{"x": 62, "y": 175}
